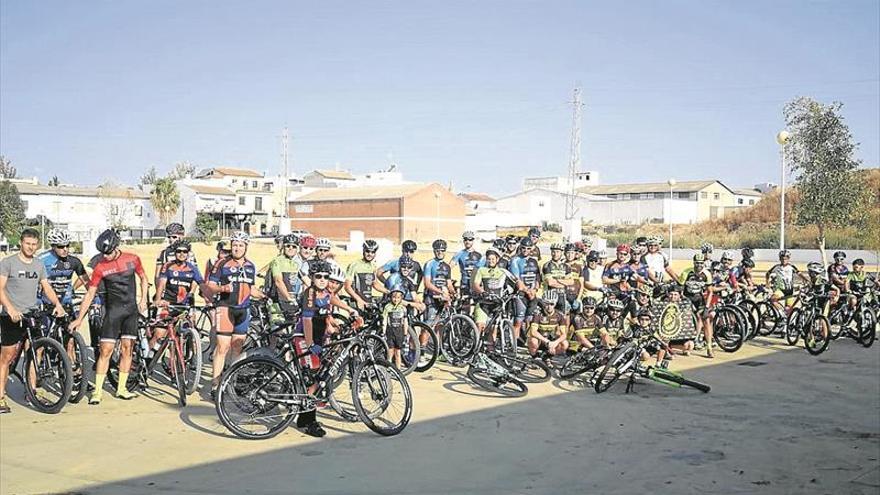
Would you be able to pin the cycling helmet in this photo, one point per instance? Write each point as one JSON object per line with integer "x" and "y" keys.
{"x": 279, "y": 239}
{"x": 623, "y": 248}
{"x": 655, "y": 240}
{"x": 241, "y": 237}
{"x": 174, "y": 229}
{"x": 58, "y": 237}
{"x": 181, "y": 244}
{"x": 570, "y": 247}
{"x": 580, "y": 247}
{"x": 308, "y": 242}
{"x": 641, "y": 241}
{"x": 493, "y": 250}
{"x": 727, "y": 255}
{"x": 643, "y": 290}
{"x": 318, "y": 266}
{"x": 336, "y": 274}
{"x": 290, "y": 239}
{"x": 588, "y": 302}
{"x": 107, "y": 241}
{"x": 815, "y": 268}
{"x": 644, "y": 313}
{"x": 747, "y": 253}
{"x": 322, "y": 243}
{"x": 439, "y": 244}
{"x": 548, "y": 301}
{"x": 370, "y": 245}
{"x": 556, "y": 246}
{"x": 593, "y": 256}
{"x": 858, "y": 261}
{"x": 527, "y": 242}
{"x": 222, "y": 246}
{"x": 747, "y": 263}
{"x": 467, "y": 234}
{"x": 405, "y": 262}
{"x": 706, "y": 248}
{"x": 839, "y": 256}
{"x": 511, "y": 239}
{"x": 785, "y": 253}
{"x": 397, "y": 288}
{"x": 534, "y": 231}
{"x": 587, "y": 242}
{"x": 716, "y": 266}
{"x": 499, "y": 244}
{"x": 409, "y": 246}
{"x": 699, "y": 258}
{"x": 615, "y": 304}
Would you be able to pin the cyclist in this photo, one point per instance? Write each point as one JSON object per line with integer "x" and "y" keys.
{"x": 177, "y": 282}
{"x": 618, "y": 273}
{"x": 574, "y": 268}
{"x": 488, "y": 287}
{"x": 548, "y": 330}
{"x": 223, "y": 252}
{"x": 61, "y": 266}
{"x": 641, "y": 300}
{"x": 21, "y": 276}
{"x": 741, "y": 275}
{"x": 696, "y": 281}
{"x": 361, "y": 275}
{"x": 747, "y": 253}
{"x": 511, "y": 245}
{"x": 121, "y": 306}
{"x": 409, "y": 248}
{"x": 613, "y": 324}
{"x": 856, "y": 281}
{"x": 727, "y": 261}
{"x": 233, "y": 281}
{"x": 586, "y": 326}
{"x": 837, "y": 271}
{"x": 438, "y": 281}
{"x": 403, "y": 279}
{"x": 781, "y": 278}
{"x": 527, "y": 275}
{"x": 707, "y": 248}
{"x": 394, "y": 324}
{"x": 468, "y": 260}
{"x": 337, "y": 279}
{"x": 317, "y": 302}
{"x": 321, "y": 248}
{"x": 553, "y": 274}
{"x": 535, "y": 235}
{"x": 591, "y": 277}
{"x": 283, "y": 272}
{"x": 573, "y": 260}
{"x": 639, "y": 276}
{"x": 174, "y": 232}
{"x": 658, "y": 265}
{"x": 640, "y": 247}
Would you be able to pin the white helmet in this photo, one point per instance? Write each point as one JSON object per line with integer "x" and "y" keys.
{"x": 603, "y": 253}
{"x": 58, "y": 237}
{"x": 727, "y": 255}
{"x": 336, "y": 274}
{"x": 323, "y": 243}
{"x": 240, "y": 236}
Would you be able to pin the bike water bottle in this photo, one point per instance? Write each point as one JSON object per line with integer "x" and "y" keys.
{"x": 309, "y": 361}
{"x": 145, "y": 346}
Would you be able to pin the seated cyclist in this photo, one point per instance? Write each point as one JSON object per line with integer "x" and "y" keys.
{"x": 678, "y": 346}
{"x": 781, "y": 278}
{"x": 641, "y": 300}
{"x": 547, "y": 331}
{"x": 587, "y": 326}
{"x": 613, "y": 324}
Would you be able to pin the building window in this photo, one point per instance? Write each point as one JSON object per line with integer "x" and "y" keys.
{"x": 739, "y": 201}
{"x": 684, "y": 195}
{"x": 704, "y": 195}
{"x": 114, "y": 209}
{"x": 659, "y": 195}
{"x": 241, "y": 200}
{"x": 751, "y": 201}
{"x": 267, "y": 186}
{"x": 254, "y": 184}
{"x": 234, "y": 181}
{"x": 612, "y": 196}
{"x": 648, "y": 195}
{"x": 716, "y": 196}
{"x": 625, "y": 196}
{"x": 258, "y": 204}
{"x": 138, "y": 211}
{"x": 540, "y": 204}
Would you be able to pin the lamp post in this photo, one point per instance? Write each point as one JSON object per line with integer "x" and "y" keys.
{"x": 781, "y": 139}
{"x": 437, "y": 216}
{"x": 671, "y": 183}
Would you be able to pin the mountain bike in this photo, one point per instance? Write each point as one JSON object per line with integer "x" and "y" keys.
{"x": 75, "y": 345}
{"x": 45, "y": 371}
{"x": 807, "y": 320}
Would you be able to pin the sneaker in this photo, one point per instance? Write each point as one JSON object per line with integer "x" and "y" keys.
{"x": 94, "y": 399}
{"x": 125, "y": 395}
{"x": 314, "y": 429}
{"x": 4, "y": 407}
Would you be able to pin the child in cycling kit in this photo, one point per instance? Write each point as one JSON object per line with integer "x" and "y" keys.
{"x": 394, "y": 323}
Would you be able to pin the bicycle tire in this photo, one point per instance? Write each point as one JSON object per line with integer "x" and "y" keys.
{"x": 238, "y": 388}
{"x": 341, "y": 397}
{"x": 621, "y": 359}
{"x": 793, "y": 326}
{"x": 813, "y": 342}
{"x": 78, "y": 366}
{"x": 179, "y": 371}
{"x": 510, "y": 386}
{"x": 754, "y": 317}
{"x": 376, "y": 379}
{"x": 205, "y": 327}
{"x": 867, "y": 327}
{"x": 53, "y": 362}
{"x": 191, "y": 342}
{"x": 133, "y": 384}
{"x": 728, "y": 329}
{"x": 411, "y": 350}
{"x": 582, "y": 362}
{"x": 528, "y": 370}
{"x": 672, "y": 377}
{"x": 770, "y": 320}
{"x": 459, "y": 340}
{"x": 430, "y": 349}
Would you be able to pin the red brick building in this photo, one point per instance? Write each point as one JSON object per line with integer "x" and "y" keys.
{"x": 410, "y": 211}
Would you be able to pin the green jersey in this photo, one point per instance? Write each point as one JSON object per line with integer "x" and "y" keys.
{"x": 492, "y": 280}
{"x": 362, "y": 275}
{"x": 286, "y": 268}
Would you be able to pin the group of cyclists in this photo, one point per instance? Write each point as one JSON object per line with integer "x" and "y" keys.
{"x": 572, "y": 301}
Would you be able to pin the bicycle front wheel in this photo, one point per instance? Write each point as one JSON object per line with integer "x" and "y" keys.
{"x": 817, "y": 335}
{"x": 867, "y": 321}
{"x": 621, "y": 361}
{"x": 191, "y": 345}
{"x": 506, "y": 385}
{"x": 430, "y": 347}
{"x": 529, "y": 370}
{"x": 179, "y": 371}
{"x": 47, "y": 376}
{"x": 382, "y": 397}
{"x": 459, "y": 339}
{"x": 76, "y": 351}
{"x": 728, "y": 329}
{"x": 252, "y": 398}
{"x": 793, "y": 327}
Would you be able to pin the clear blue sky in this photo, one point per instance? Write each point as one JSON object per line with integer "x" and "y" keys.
{"x": 473, "y": 92}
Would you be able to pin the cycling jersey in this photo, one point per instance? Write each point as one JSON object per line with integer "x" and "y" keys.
{"x": 619, "y": 271}
{"x": 440, "y": 273}
{"x": 613, "y": 326}
{"x": 60, "y": 272}
{"x": 415, "y": 275}
{"x": 362, "y": 275}
{"x": 587, "y": 323}
{"x": 167, "y": 255}
{"x": 394, "y": 317}
{"x": 468, "y": 262}
{"x": 594, "y": 277}
{"x": 657, "y": 264}
{"x": 287, "y": 268}
{"x": 399, "y": 281}
{"x": 178, "y": 281}
{"x": 573, "y": 272}
{"x": 548, "y": 324}
{"x": 491, "y": 280}
{"x": 315, "y": 303}
{"x": 241, "y": 275}
{"x": 526, "y": 269}
{"x": 782, "y": 277}
{"x": 841, "y": 271}
{"x": 694, "y": 284}
{"x": 118, "y": 277}
{"x": 856, "y": 282}
{"x": 739, "y": 276}
{"x": 553, "y": 270}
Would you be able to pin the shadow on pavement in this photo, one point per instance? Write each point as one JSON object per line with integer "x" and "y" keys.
{"x": 791, "y": 424}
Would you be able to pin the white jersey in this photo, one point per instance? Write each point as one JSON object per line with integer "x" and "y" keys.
{"x": 657, "y": 264}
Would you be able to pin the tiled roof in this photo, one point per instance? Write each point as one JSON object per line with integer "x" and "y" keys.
{"x": 476, "y": 197}
{"x": 221, "y": 171}
{"x": 748, "y": 192}
{"x": 215, "y": 190}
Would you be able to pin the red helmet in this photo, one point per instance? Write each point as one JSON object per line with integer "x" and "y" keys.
{"x": 623, "y": 248}
{"x": 580, "y": 247}
{"x": 308, "y": 242}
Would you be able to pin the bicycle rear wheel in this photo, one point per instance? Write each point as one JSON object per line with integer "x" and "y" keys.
{"x": 250, "y": 398}
{"x": 582, "y": 362}
{"x": 191, "y": 344}
{"x": 178, "y": 369}
{"x": 47, "y": 376}
{"x": 382, "y": 397}
{"x": 621, "y": 361}
{"x": 76, "y": 351}
{"x": 793, "y": 326}
{"x": 817, "y": 335}
{"x": 753, "y": 316}
{"x": 459, "y": 339}
{"x": 507, "y": 385}
{"x": 867, "y": 323}
{"x": 430, "y": 348}
{"x": 410, "y": 351}
{"x": 529, "y": 370}
{"x": 728, "y": 329}
{"x": 770, "y": 319}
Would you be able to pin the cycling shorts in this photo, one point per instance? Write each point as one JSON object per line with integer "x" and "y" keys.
{"x": 480, "y": 315}
{"x": 524, "y": 307}
{"x": 119, "y": 322}
{"x": 233, "y": 321}
{"x": 11, "y": 333}
{"x": 394, "y": 337}
{"x": 585, "y": 333}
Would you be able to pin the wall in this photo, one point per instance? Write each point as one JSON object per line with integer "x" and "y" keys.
{"x": 427, "y": 216}
{"x": 335, "y": 219}
{"x": 710, "y": 206}
{"x": 85, "y": 216}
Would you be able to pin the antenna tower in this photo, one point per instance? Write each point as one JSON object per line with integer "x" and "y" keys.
{"x": 574, "y": 160}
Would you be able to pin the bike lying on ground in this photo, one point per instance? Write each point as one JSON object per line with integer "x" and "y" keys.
{"x": 45, "y": 371}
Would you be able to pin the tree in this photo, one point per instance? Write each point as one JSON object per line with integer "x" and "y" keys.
{"x": 11, "y": 212}
{"x": 150, "y": 177}
{"x": 206, "y": 224}
{"x": 7, "y": 171}
{"x": 181, "y": 170}
{"x": 165, "y": 199}
{"x": 54, "y": 181}
{"x": 821, "y": 154}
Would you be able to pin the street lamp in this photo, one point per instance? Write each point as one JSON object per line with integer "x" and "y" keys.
{"x": 781, "y": 139}
{"x": 671, "y": 183}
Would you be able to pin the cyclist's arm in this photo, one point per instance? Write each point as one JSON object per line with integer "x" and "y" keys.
{"x": 339, "y": 303}
{"x": 353, "y": 293}
{"x": 160, "y": 289}
{"x": 83, "y": 306}
{"x": 13, "y": 312}
{"x": 560, "y": 333}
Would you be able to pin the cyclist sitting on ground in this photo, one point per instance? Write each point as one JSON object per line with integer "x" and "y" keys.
{"x": 613, "y": 324}
{"x": 394, "y": 324}
{"x": 548, "y": 329}
{"x": 177, "y": 282}
{"x": 587, "y": 326}
{"x": 438, "y": 281}
{"x": 361, "y": 275}
{"x": 21, "y": 276}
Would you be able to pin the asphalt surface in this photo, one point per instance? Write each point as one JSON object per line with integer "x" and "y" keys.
{"x": 776, "y": 421}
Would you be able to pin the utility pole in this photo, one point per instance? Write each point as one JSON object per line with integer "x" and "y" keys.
{"x": 284, "y": 225}
{"x": 574, "y": 161}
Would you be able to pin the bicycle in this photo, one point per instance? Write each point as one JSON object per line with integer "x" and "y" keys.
{"x": 75, "y": 345}
{"x": 808, "y": 320}
{"x": 49, "y": 378}
{"x": 857, "y": 322}
{"x": 457, "y": 333}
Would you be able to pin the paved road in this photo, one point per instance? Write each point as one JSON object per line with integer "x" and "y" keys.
{"x": 777, "y": 421}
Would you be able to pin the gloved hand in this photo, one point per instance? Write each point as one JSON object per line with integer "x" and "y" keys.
{"x": 316, "y": 349}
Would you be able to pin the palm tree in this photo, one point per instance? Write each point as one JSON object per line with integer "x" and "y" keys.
{"x": 165, "y": 199}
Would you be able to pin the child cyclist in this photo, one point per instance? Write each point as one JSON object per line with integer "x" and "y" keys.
{"x": 394, "y": 324}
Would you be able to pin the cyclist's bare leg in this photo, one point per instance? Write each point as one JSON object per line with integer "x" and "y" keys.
{"x": 7, "y": 355}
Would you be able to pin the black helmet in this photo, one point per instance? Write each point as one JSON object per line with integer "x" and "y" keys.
{"x": 747, "y": 253}
{"x": 174, "y": 229}
{"x": 858, "y": 261}
{"x": 318, "y": 266}
{"x": 290, "y": 239}
{"x": 222, "y": 246}
{"x": 409, "y": 246}
{"x": 593, "y": 255}
{"x": 569, "y": 246}
{"x": 815, "y": 268}
{"x": 535, "y": 231}
{"x": 107, "y": 241}
{"x": 785, "y": 253}
{"x": 370, "y": 245}
{"x": 747, "y": 263}
{"x": 839, "y": 255}
{"x": 439, "y": 244}
{"x": 716, "y": 266}
{"x": 499, "y": 244}
{"x": 589, "y": 302}
{"x": 511, "y": 239}
{"x": 527, "y": 242}
{"x": 181, "y": 244}
{"x": 405, "y": 262}
{"x": 641, "y": 241}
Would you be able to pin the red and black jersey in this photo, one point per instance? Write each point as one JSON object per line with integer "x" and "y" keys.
{"x": 119, "y": 278}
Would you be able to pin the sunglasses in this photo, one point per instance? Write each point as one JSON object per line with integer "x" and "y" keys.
{"x": 290, "y": 246}
{"x": 63, "y": 247}
{"x": 173, "y": 237}
{"x": 614, "y": 310}
{"x": 323, "y": 250}
{"x": 321, "y": 276}
{"x": 181, "y": 251}
{"x": 306, "y": 248}
{"x": 468, "y": 239}
{"x": 367, "y": 251}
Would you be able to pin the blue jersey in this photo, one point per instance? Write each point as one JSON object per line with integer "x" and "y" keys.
{"x": 60, "y": 272}
{"x": 415, "y": 275}
{"x": 527, "y": 270}
{"x": 179, "y": 278}
{"x": 440, "y": 272}
{"x": 468, "y": 263}
{"x": 397, "y": 280}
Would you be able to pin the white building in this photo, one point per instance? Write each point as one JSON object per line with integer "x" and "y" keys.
{"x": 87, "y": 211}
{"x": 560, "y": 183}
{"x": 329, "y": 178}
{"x": 747, "y": 197}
